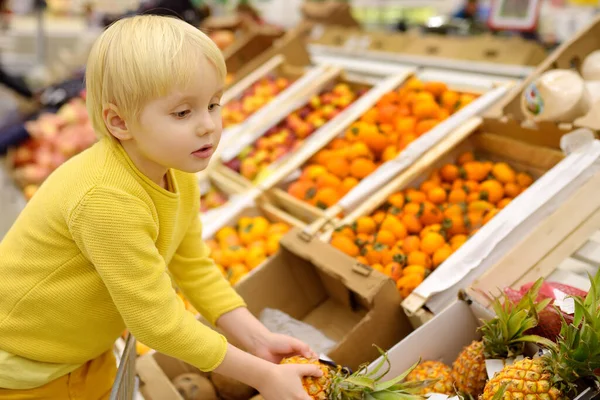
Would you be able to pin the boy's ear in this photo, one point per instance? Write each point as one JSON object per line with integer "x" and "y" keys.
{"x": 115, "y": 123}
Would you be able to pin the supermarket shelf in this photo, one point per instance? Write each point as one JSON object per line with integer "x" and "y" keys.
{"x": 477, "y": 67}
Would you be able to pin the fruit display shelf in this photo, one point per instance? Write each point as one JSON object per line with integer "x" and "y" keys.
{"x": 433, "y": 242}
{"x": 397, "y": 128}
{"x": 262, "y": 151}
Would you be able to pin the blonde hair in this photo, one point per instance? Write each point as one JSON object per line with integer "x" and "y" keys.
{"x": 141, "y": 58}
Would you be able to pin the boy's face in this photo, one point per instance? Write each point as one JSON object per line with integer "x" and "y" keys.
{"x": 181, "y": 130}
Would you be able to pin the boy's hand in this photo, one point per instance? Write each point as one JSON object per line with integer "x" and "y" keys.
{"x": 284, "y": 382}
{"x": 274, "y": 347}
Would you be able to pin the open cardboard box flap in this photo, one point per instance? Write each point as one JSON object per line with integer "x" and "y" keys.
{"x": 355, "y": 310}
{"x": 569, "y": 55}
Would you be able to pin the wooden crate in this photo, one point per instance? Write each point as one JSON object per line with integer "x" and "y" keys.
{"x": 531, "y": 151}
{"x": 310, "y": 213}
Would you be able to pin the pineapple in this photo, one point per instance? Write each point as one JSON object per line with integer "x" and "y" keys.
{"x": 502, "y": 338}
{"x": 435, "y": 371}
{"x": 337, "y": 384}
{"x": 575, "y": 356}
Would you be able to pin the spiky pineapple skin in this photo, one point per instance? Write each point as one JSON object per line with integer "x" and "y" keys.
{"x": 433, "y": 370}
{"x": 468, "y": 371}
{"x": 317, "y": 388}
{"x": 525, "y": 379}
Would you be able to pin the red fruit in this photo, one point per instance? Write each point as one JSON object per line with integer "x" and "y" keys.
{"x": 549, "y": 323}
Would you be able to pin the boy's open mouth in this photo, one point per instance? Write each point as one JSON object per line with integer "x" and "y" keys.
{"x": 204, "y": 151}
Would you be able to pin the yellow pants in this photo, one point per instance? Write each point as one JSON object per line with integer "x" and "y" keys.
{"x": 91, "y": 381}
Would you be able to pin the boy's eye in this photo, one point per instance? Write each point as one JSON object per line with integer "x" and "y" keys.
{"x": 213, "y": 106}
{"x": 181, "y": 114}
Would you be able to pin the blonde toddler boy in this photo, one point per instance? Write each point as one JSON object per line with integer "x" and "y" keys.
{"x": 95, "y": 250}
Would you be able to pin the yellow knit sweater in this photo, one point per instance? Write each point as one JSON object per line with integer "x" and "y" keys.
{"x": 88, "y": 258}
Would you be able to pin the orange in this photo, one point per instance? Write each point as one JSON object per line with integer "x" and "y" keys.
{"x": 503, "y": 203}
{"x": 255, "y": 257}
{"x": 414, "y": 84}
{"x": 346, "y": 245}
{"x": 410, "y": 244}
{"x": 431, "y": 228}
{"x": 362, "y": 167}
{"x": 435, "y": 176}
{"x": 415, "y": 196}
{"x": 362, "y": 260}
{"x": 393, "y": 270}
{"x": 471, "y": 186}
{"x": 389, "y": 153}
{"x": 376, "y": 141}
{"x": 418, "y": 258}
{"x": 430, "y": 214}
{"x": 396, "y": 200}
{"x": 386, "y": 237}
{"x": 312, "y": 172}
{"x": 474, "y": 171}
{"x": 328, "y": 180}
{"x": 345, "y": 231}
{"x": 437, "y": 195}
{"x": 489, "y": 215}
{"x": 405, "y": 140}
{"x": 455, "y": 224}
{"x": 405, "y": 124}
{"x": 348, "y": 184}
{"x": 454, "y": 210}
{"x": 424, "y": 109}
{"x": 427, "y": 186}
{"x": 449, "y": 172}
{"x": 441, "y": 255}
{"x": 504, "y": 173}
{"x": 377, "y": 267}
{"x": 426, "y": 125}
{"x": 512, "y": 190}
{"x": 326, "y": 198}
{"x": 414, "y": 270}
{"x": 412, "y": 223}
{"x": 435, "y": 88}
{"x": 407, "y": 284}
{"x": 373, "y": 253}
{"x": 465, "y": 157}
{"x": 442, "y": 114}
{"x": 359, "y": 149}
{"x": 492, "y": 191}
{"x": 432, "y": 242}
{"x": 365, "y": 225}
{"x": 395, "y": 226}
{"x": 457, "y": 196}
{"x": 524, "y": 180}
{"x": 338, "y": 166}
{"x": 466, "y": 99}
{"x": 449, "y": 100}
{"x": 379, "y": 216}
{"x": 413, "y": 208}
{"x": 302, "y": 190}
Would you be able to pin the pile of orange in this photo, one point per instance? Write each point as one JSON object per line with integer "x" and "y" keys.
{"x": 399, "y": 118}
{"x": 417, "y": 229}
{"x": 239, "y": 249}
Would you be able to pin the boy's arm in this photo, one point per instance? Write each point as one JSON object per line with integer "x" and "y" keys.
{"x": 200, "y": 279}
{"x": 117, "y": 233}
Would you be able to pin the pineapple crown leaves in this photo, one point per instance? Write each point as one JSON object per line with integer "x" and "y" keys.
{"x": 503, "y": 336}
{"x": 576, "y": 353}
{"x": 366, "y": 385}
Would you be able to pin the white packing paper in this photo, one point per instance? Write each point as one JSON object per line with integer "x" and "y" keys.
{"x": 280, "y": 322}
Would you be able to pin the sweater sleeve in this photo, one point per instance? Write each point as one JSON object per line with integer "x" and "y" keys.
{"x": 200, "y": 279}
{"x": 116, "y": 232}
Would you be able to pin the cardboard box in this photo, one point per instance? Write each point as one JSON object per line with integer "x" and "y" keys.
{"x": 352, "y": 306}
{"x": 355, "y": 308}
{"x": 569, "y": 55}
